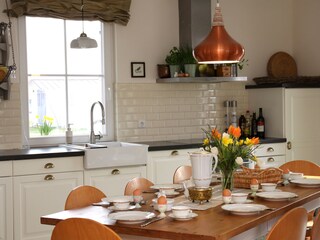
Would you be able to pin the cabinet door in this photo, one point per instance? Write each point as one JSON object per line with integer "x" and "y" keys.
{"x": 38, "y": 195}
{"x": 6, "y": 209}
{"x": 302, "y": 115}
{"x": 112, "y": 181}
{"x": 162, "y": 164}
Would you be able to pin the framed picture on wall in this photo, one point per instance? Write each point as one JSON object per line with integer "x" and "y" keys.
{"x": 138, "y": 69}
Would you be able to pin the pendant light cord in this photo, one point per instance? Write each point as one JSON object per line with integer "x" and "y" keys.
{"x": 82, "y": 18}
{"x": 14, "y": 66}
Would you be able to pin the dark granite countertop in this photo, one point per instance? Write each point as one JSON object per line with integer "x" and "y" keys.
{"x": 34, "y": 153}
{"x": 192, "y": 143}
{"x": 49, "y": 152}
{"x": 284, "y": 85}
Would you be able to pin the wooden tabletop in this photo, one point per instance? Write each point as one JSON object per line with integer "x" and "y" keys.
{"x": 213, "y": 224}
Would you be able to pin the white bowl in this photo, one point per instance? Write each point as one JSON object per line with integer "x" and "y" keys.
{"x": 295, "y": 175}
{"x": 268, "y": 187}
{"x": 239, "y": 197}
{"x": 169, "y": 204}
{"x": 121, "y": 204}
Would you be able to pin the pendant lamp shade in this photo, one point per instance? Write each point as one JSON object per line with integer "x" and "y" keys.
{"x": 83, "y": 41}
{"x": 218, "y": 47}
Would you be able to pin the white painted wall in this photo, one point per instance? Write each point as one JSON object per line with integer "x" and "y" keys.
{"x": 152, "y": 31}
{"x": 306, "y": 35}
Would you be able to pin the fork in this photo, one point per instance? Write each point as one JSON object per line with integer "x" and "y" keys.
{"x": 152, "y": 221}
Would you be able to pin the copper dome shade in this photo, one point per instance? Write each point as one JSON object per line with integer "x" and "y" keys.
{"x": 218, "y": 47}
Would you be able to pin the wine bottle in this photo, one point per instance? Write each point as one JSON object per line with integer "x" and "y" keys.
{"x": 260, "y": 125}
{"x": 254, "y": 125}
{"x": 247, "y": 124}
{"x": 242, "y": 125}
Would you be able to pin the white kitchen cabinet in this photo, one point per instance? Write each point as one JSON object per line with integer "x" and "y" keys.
{"x": 292, "y": 113}
{"x": 271, "y": 154}
{"x": 162, "y": 164}
{"x": 112, "y": 181}
{"x": 41, "y": 187}
{"x": 6, "y": 203}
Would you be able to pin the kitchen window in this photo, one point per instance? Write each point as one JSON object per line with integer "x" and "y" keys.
{"x": 60, "y": 84}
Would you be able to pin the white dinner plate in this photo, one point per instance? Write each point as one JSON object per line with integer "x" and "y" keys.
{"x": 189, "y": 217}
{"x": 131, "y": 217}
{"x": 115, "y": 198}
{"x": 307, "y": 182}
{"x": 276, "y": 196}
{"x": 166, "y": 186}
{"x": 244, "y": 208}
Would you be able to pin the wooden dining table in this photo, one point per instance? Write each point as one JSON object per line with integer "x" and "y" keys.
{"x": 211, "y": 224}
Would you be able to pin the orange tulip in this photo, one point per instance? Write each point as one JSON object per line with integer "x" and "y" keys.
{"x": 215, "y": 133}
{"x": 236, "y": 132}
{"x": 255, "y": 140}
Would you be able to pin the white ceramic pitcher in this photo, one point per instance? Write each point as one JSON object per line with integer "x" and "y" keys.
{"x": 202, "y": 169}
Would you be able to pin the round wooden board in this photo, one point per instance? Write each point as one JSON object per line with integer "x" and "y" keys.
{"x": 281, "y": 64}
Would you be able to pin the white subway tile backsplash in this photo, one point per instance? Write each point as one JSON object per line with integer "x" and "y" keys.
{"x": 175, "y": 111}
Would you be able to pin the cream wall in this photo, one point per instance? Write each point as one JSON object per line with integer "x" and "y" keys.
{"x": 306, "y": 35}
{"x": 262, "y": 26}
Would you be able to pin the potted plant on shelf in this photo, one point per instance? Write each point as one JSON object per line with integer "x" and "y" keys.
{"x": 174, "y": 60}
{"x": 189, "y": 62}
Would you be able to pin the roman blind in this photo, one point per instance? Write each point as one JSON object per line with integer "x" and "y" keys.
{"x": 104, "y": 10}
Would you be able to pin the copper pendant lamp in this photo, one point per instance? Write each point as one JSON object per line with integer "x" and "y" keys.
{"x": 218, "y": 47}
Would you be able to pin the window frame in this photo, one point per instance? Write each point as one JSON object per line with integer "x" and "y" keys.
{"x": 108, "y": 57}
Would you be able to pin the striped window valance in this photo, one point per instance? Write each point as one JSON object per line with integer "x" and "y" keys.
{"x": 104, "y": 10}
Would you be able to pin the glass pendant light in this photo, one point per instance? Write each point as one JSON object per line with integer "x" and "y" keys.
{"x": 218, "y": 47}
{"x": 83, "y": 41}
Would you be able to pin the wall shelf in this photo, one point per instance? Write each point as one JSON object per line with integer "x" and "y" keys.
{"x": 201, "y": 79}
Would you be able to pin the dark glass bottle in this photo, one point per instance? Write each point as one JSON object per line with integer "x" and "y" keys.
{"x": 254, "y": 125}
{"x": 242, "y": 125}
{"x": 261, "y": 125}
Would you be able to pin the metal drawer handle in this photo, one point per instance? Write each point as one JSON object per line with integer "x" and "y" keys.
{"x": 289, "y": 145}
{"x": 270, "y": 159}
{"x": 174, "y": 153}
{"x": 115, "y": 172}
{"x": 49, "y": 165}
{"x": 270, "y": 149}
{"x": 49, "y": 178}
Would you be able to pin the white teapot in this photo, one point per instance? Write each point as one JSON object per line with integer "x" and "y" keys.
{"x": 202, "y": 169}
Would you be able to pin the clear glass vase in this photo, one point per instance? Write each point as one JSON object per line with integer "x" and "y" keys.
{"x": 227, "y": 179}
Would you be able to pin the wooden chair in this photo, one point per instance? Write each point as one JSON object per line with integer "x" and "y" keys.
{"x": 182, "y": 173}
{"x": 83, "y": 196}
{"x": 307, "y": 168}
{"x": 304, "y": 166}
{"x": 315, "y": 231}
{"x": 138, "y": 182}
{"x": 291, "y": 225}
{"x": 82, "y": 229}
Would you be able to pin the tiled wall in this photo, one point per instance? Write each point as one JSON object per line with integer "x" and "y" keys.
{"x": 10, "y": 120}
{"x": 173, "y": 111}
{"x": 170, "y": 111}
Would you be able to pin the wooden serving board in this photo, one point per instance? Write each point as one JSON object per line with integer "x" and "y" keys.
{"x": 281, "y": 64}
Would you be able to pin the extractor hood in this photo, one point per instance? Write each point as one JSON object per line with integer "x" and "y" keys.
{"x": 194, "y": 21}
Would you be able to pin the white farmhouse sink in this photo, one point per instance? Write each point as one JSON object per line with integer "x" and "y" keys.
{"x": 112, "y": 154}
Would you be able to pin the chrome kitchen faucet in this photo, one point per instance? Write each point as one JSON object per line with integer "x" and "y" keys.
{"x": 93, "y": 136}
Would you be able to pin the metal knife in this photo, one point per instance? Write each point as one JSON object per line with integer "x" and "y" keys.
{"x": 151, "y": 221}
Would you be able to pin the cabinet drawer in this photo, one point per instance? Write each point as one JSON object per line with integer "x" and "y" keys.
{"x": 5, "y": 168}
{"x": 272, "y": 161}
{"x": 47, "y": 165}
{"x": 270, "y": 149}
